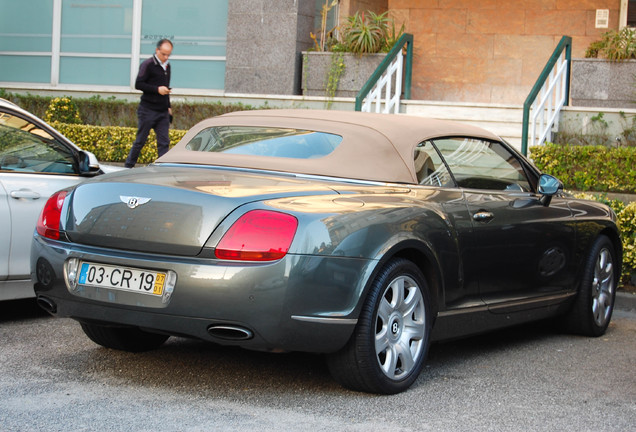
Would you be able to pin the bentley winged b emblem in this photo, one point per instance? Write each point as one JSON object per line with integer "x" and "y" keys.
{"x": 133, "y": 202}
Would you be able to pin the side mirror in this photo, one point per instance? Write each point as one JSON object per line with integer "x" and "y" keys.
{"x": 88, "y": 164}
{"x": 548, "y": 187}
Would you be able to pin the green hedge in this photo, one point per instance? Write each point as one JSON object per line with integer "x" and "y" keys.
{"x": 597, "y": 169}
{"x": 112, "y": 143}
{"x": 110, "y": 111}
{"x": 589, "y": 168}
{"x": 627, "y": 223}
{"x": 626, "y": 219}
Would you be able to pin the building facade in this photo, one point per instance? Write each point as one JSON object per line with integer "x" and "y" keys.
{"x": 488, "y": 51}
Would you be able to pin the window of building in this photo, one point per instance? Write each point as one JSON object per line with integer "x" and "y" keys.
{"x": 631, "y": 13}
{"x": 25, "y": 44}
{"x": 95, "y": 42}
{"x": 102, "y": 42}
{"x": 332, "y": 15}
{"x": 198, "y": 29}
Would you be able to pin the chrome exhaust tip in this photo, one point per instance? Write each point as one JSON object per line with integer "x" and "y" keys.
{"x": 230, "y": 332}
{"x": 47, "y": 304}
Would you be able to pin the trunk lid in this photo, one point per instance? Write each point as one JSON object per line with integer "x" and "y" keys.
{"x": 173, "y": 210}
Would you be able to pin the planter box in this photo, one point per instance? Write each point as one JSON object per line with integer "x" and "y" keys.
{"x": 601, "y": 83}
{"x": 358, "y": 69}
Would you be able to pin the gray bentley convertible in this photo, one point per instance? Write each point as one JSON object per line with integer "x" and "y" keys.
{"x": 361, "y": 236}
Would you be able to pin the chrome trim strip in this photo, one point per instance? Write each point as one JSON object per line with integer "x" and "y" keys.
{"x": 325, "y": 320}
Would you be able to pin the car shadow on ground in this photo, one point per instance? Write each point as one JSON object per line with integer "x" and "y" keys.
{"x": 23, "y": 309}
{"x": 208, "y": 369}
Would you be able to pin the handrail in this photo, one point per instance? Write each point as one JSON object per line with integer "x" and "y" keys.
{"x": 553, "y": 96}
{"x": 382, "y": 79}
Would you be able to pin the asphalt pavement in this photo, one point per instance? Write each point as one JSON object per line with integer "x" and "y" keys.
{"x": 527, "y": 378}
{"x": 625, "y": 301}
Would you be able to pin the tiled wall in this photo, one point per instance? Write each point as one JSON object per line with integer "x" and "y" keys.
{"x": 492, "y": 51}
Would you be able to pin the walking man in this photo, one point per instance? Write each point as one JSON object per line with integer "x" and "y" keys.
{"x": 154, "y": 110}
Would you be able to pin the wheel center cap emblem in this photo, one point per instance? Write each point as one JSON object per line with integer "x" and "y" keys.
{"x": 133, "y": 202}
{"x": 395, "y": 327}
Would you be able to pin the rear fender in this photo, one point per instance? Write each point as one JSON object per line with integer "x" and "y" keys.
{"x": 423, "y": 256}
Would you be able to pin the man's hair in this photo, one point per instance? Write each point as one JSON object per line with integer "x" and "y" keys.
{"x": 163, "y": 41}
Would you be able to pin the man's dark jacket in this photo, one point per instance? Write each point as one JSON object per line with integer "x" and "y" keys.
{"x": 152, "y": 76}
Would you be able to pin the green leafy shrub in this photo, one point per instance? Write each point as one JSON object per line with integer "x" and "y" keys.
{"x": 589, "y": 168}
{"x": 112, "y": 143}
{"x": 627, "y": 223}
{"x": 361, "y": 33}
{"x": 111, "y": 124}
{"x": 110, "y": 111}
{"x": 626, "y": 220}
{"x": 365, "y": 33}
{"x": 63, "y": 109}
{"x": 614, "y": 45}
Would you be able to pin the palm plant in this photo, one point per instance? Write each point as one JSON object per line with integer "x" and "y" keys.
{"x": 614, "y": 45}
{"x": 365, "y": 33}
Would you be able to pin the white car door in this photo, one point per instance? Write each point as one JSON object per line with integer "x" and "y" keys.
{"x": 34, "y": 163}
{"x": 26, "y": 195}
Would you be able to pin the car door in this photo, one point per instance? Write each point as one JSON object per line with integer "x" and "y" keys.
{"x": 521, "y": 249}
{"x": 33, "y": 165}
{"x": 461, "y": 289}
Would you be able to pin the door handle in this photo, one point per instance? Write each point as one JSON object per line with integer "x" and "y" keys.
{"x": 25, "y": 194}
{"x": 483, "y": 216}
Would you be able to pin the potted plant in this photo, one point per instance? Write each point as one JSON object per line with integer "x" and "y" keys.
{"x": 344, "y": 58}
{"x": 605, "y": 77}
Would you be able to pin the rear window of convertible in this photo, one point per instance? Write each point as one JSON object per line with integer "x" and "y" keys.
{"x": 265, "y": 141}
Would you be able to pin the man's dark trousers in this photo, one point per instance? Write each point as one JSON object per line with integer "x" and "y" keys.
{"x": 148, "y": 119}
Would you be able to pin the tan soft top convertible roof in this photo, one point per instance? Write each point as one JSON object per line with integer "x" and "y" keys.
{"x": 378, "y": 147}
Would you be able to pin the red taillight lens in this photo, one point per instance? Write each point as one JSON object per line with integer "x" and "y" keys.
{"x": 49, "y": 221}
{"x": 258, "y": 235}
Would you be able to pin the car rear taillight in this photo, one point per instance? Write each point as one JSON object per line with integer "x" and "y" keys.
{"x": 258, "y": 235}
{"x": 49, "y": 221}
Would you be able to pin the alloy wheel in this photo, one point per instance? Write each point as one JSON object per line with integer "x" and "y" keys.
{"x": 400, "y": 327}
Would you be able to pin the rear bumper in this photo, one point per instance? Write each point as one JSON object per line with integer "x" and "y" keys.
{"x": 300, "y": 303}
{"x": 303, "y": 336}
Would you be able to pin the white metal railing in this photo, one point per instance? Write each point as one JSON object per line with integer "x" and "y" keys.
{"x": 385, "y": 95}
{"x": 549, "y": 95}
{"x": 383, "y": 90}
{"x": 546, "y": 109}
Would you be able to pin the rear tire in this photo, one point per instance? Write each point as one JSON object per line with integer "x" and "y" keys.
{"x": 592, "y": 310}
{"x": 130, "y": 339}
{"x": 387, "y": 351}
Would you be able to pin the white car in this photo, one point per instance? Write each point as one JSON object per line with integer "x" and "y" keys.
{"x": 35, "y": 161}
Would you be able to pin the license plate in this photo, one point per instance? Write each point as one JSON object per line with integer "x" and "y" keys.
{"x": 122, "y": 278}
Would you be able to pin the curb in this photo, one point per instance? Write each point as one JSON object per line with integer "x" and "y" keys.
{"x": 625, "y": 301}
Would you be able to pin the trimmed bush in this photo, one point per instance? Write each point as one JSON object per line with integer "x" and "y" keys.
{"x": 589, "y": 168}
{"x": 626, "y": 220}
{"x": 110, "y": 111}
{"x": 627, "y": 223}
{"x": 112, "y": 143}
{"x": 63, "y": 109}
